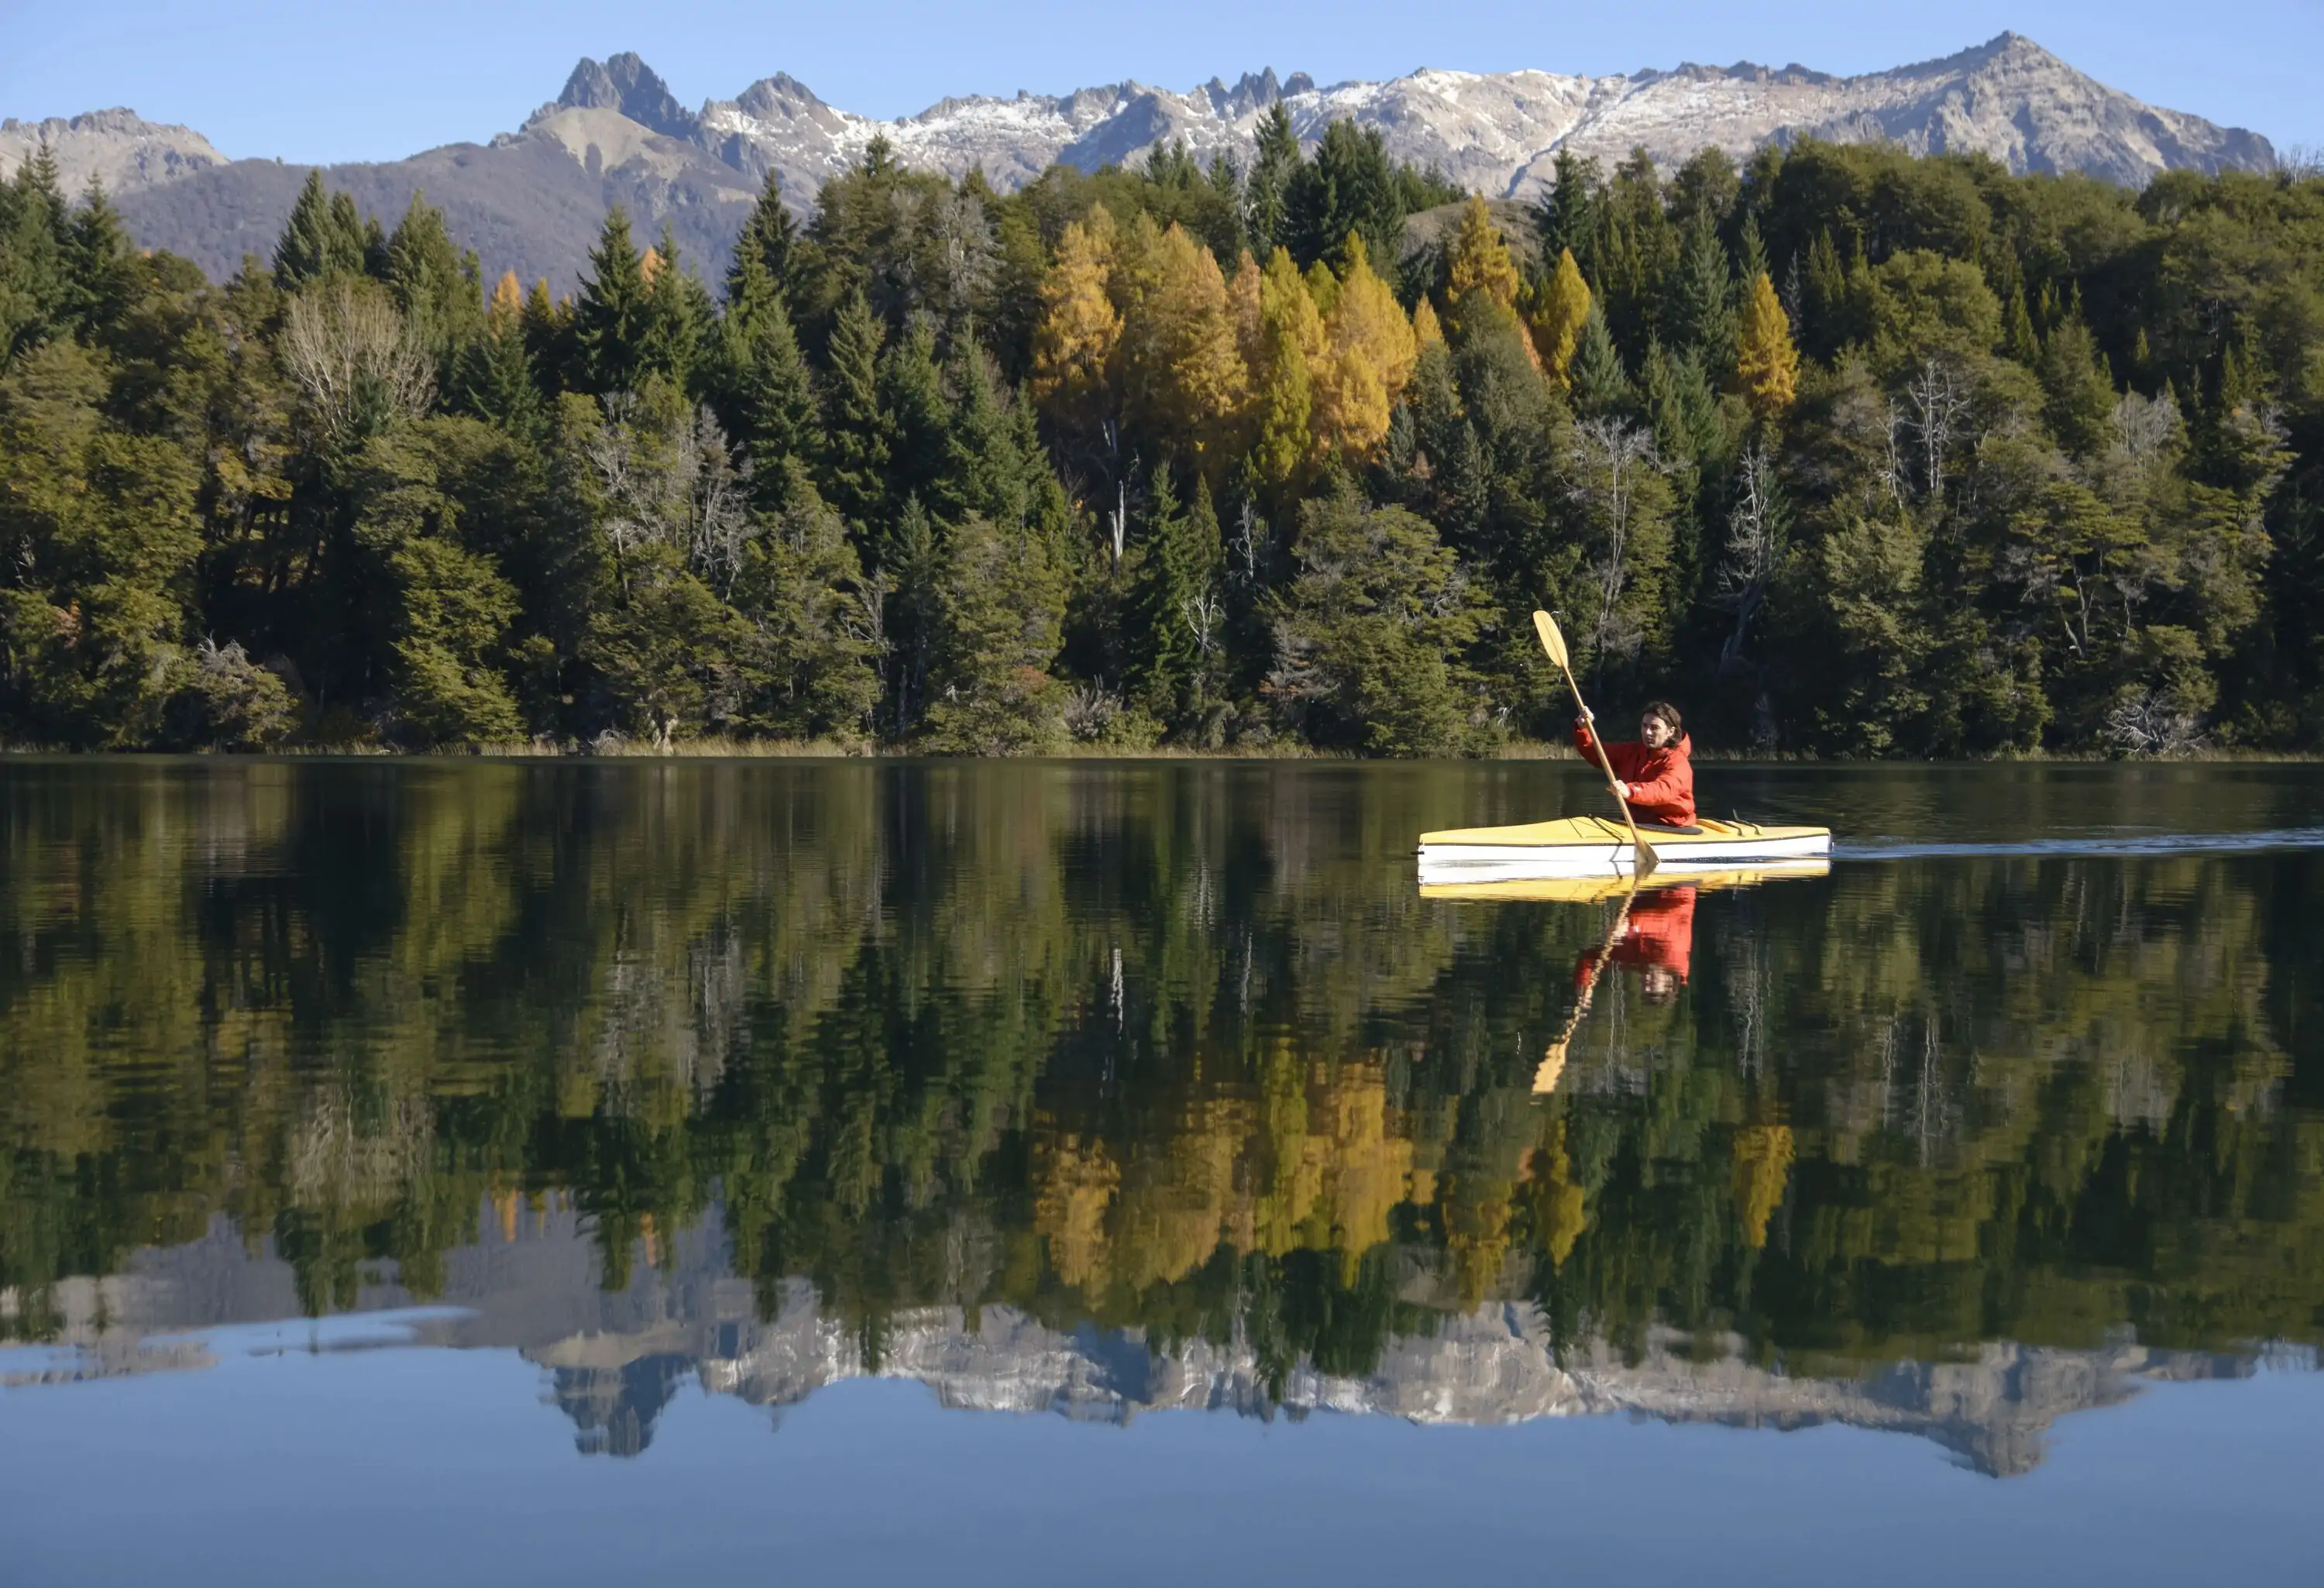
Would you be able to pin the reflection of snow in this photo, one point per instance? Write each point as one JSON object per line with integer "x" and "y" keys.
{"x": 614, "y": 1359}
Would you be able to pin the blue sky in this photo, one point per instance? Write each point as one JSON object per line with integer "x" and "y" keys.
{"x": 367, "y": 80}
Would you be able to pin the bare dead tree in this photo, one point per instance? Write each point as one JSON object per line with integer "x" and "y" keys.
{"x": 675, "y": 485}
{"x": 1250, "y": 540}
{"x": 1938, "y": 407}
{"x": 1617, "y": 452}
{"x": 1755, "y": 527}
{"x": 354, "y": 361}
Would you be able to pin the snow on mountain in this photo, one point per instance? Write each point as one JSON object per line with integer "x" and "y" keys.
{"x": 532, "y": 199}
{"x": 1497, "y": 132}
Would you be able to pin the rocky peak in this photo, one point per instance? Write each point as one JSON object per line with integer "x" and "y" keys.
{"x": 117, "y": 147}
{"x": 626, "y": 83}
{"x": 779, "y": 96}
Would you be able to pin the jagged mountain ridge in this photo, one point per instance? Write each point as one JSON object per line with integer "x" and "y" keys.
{"x": 531, "y": 200}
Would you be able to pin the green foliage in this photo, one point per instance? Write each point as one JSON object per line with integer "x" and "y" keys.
{"x": 1371, "y": 634}
{"x": 614, "y": 314}
{"x": 1000, "y": 609}
{"x": 323, "y": 238}
{"x": 2049, "y": 456}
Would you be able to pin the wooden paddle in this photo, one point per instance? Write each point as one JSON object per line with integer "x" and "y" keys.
{"x": 1553, "y": 1061}
{"x": 1642, "y": 860}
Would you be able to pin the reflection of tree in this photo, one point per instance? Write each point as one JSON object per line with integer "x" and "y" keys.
{"x": 1161, "y": 1048}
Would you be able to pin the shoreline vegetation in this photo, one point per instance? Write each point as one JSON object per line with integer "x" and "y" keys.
{"x": 748, "y": 750}
{"x": 1853, "y": 454}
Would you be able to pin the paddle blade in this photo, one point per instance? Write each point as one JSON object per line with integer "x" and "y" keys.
{"x": 1551, "y": 640}
{"x": 1643, "y": 863}
{"x": 1553, "y": 1065}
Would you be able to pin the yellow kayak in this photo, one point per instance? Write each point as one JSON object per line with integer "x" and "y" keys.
{"x": 1553, "y": 890}
{"x": 1599, "y": 846}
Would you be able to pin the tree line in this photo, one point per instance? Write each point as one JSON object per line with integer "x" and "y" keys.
{"x": 1851, "y": 452}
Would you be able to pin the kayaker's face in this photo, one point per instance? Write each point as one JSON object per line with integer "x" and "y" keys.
{"x": 1654, "y": 733}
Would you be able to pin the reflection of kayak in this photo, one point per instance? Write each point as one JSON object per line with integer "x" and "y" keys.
{"x": 1572, "y": 889}
{"x": 1598, "y": 846}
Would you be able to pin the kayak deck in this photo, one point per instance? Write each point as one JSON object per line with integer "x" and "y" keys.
{"x": 1596, "y": 846}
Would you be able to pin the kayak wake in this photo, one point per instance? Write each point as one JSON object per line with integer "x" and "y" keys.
{"x": 2123, "y": 846}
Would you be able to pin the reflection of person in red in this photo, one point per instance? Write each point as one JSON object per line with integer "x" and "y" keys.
{"x": 1657, "y": 937}
{"x": 1657, "y": 771}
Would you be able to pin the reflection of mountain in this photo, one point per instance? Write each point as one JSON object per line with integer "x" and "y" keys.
{"x": 614, "y": 1359}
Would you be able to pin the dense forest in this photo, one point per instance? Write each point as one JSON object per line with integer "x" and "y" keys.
{"x": 1848, "y": 452}
{"x": 1110, "y": 1049}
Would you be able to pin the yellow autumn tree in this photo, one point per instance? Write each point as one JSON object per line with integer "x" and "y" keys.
{"x": 1368, "y": 355}
{"x": 1763, "y": 1165}
{"x": 1079, "y": 330}
{"x": 1478, "y": 258}
{"x": 508, "y": 302}
{"x": 1559, "y": 1207}
{"x": 1565, "y": 309}
{"x": 1074, "y": 1181}
{"x": 1182, "y": 375}
{"x": 1244, "y": 292}
{"x": 1290, "y": 345}
{"x": 1768, "y": 368}
{"x": 1425, "y": 327}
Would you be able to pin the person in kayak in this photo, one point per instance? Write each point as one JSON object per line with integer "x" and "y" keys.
{"x": 1656, "y": 772}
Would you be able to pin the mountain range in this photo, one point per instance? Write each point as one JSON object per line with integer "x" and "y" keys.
{"x": 615, "y": 1358}
{"x": 531, "y": 200}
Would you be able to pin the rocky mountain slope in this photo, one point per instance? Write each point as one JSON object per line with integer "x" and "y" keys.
{"x": 530, "y": 201}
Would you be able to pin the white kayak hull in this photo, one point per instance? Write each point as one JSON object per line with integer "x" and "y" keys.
{"x": 1587, "y": 847}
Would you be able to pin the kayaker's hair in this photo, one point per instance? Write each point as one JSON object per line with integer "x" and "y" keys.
{"x": 1667, "y": 712}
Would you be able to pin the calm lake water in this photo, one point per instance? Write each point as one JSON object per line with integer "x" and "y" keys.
{"x": 1022, "y": 1173}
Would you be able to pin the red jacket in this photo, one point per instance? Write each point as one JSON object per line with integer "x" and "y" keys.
{"x": 1662, "y": 781}
{"x": 1660, "y": 932}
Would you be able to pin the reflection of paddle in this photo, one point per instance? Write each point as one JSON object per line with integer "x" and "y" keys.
{"x": 1642, "y": 860}
{"x": 1553, "y": 1062}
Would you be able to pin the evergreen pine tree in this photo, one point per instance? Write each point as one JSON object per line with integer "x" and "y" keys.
{"x": 100, "y": 264}
{"x": 1599, "y": 383}
{"x": 324, "y": 236}
{"x": 433, "y": 284}
{"x": 993, "y": 464}
{"x": 616, "y": 311}
{"x": 549, "y": 340}
{"x": 1750, "y": 254}
{"x": 918, "y": 417}
{"x": 496, "y": 372}
{"x": 1827, "y": 297}
{"x": 1276, "y": 161}
{"x": 2079, "y": 388}
{"x": 856, "y": 426}
{"x": 1567, "y": 215}
{"x": 1702, "y": 313}
{"x": 35, "y": 285}
{"x": 1174, "y": 626}
{"x": 678, "y": 316}
{"x": 766, "y": 240}
{"x": 762, "y": 391}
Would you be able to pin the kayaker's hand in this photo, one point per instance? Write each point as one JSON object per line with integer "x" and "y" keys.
{"x": 1623, "y": 790}
{"x": 1586, "y": 718}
